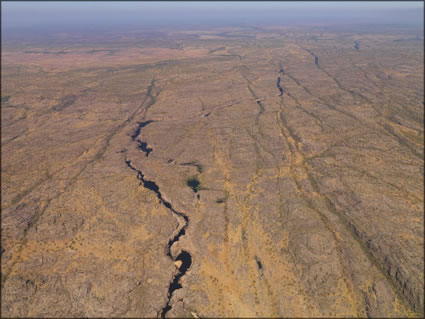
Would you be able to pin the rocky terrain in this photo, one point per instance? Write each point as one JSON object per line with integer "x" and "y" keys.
{"x": 274, "y": 172}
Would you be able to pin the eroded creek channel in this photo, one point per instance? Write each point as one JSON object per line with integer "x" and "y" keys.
{"x": 281, "y": 71}
{"x": 184, "y": 257}
{"x": 143, "y": 146}
{"x": 278, "y": 86}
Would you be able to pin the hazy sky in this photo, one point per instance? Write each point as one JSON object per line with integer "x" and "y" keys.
{"x": 66, "y": 15}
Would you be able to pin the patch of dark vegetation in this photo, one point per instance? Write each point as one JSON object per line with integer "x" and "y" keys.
{"x": 65, "y": 102}
{"x": 48, "y": 52}
{"x": 198, "y": 166}
{"x": 259, "y": 264}
{"x": 261, "y": 106}
{"x": 243, "y": 235}
{"x": 103, "y": 50}
{"x": 408, "y": 39}
{"x": 11, "y": 106}
{"x": 5, "y": 98}
{"x": 217, "y": 49}
{"x": 194, "y": 183}
{"x": 229, "y": 55}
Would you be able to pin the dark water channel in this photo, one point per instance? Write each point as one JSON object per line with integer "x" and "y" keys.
{"x": 186, "y": 260}
{"x": 143, "y": 146}
{"x": 183, "y": 256}
{"x": 278, "y": 86}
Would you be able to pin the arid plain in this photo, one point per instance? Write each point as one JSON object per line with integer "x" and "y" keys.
{"x": 238, "y": 172}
